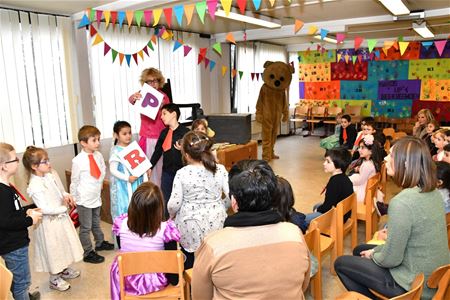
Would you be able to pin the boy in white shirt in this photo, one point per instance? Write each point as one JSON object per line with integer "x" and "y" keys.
{"x": 88, "y": 172}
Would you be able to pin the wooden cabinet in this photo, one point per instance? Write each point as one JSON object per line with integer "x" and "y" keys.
{"x": 230, "y": 155}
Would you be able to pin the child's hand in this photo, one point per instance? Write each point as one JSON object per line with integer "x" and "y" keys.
{"x": 35, "y": 214}
{"x": 177, "y": 145}
{"x": 69, "y": 201}
{"x": 367, "y": 253}
{"x": 132, "y": 179}
{"x": 133, "y": 98}
{"x": 382, "y": 234}
{"x": 356, "y": 169}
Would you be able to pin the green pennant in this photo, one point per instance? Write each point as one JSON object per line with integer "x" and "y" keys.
{"x": 92, "y": 15}
{"x": 400, "y": 39}
{"x": 218, "y": 48}
{"x": 114, "y": 54}
{"x": 240, "y": 74}
{"x": 201, "y": 9}
{"x": 138, "y": 17}
{"x": 150, "y": 45}
{"x": 371, "y": 44}
{"x": 354, "y": 57}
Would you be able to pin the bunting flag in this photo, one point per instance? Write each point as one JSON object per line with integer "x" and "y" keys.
{"x": 145, "y": 50}
{"x": 156, "y": 16}
{"x": 218, "y": 48}
{"x": 257, "y": 4}
{"x": 150, "y": 45}
{"x": 91, "y": 15}
{"x": 312, "y": 29}
{"x": 346, "y": 58}
{"x": 186, "y": 49}
{"x": 201, "y": 9}
{"x": 153, "y": 39}
{"x": 440, "y": 46}
{"x": 107, "y": 15}
{"x": 395, "y": 45}
{"x": 323, "y": 33}
{"x": 121, "y": 56}
{"x": 242, "y": 4}
{"x": 98, "y": 16}
{"x": 403, "y": 46}
{"x": 358, "y": 42}
{"x": 224, "y": 70}
{"x": 240, "y": 74}
{"x": 206, "y": 62}
{"x": 377, "y": 53}
{"x": 148, "y": 17}
{"x": 128, "y": 59}
{"x": 129, "y": 14}
{"x": 339, "y": 56}
{"x": 84, "y": 21}
{"x": 212, "y": 6}
{"x": 200, "y": 59}
{"x": 230, "y": 38}
{"x": 427, "y": 44}
{"x": 135, "y": 58}
{"x": 179, "y": 11}
{"x": 212, "y": 64}
{"x": 121, "y": 17}
{"x": 177, "y": 45}
{"x": 318, "y": 47}
{"x": 371, "y": 44}
{"x": 141, "y": 54}
{"x": 106, "y": 49}
{"x": 340, "y": 37}
{"x": 138, "y": 17}
{"x": 354, "y": 59}
{"x": 359, "y": 58}
{"x": 226, "y": 6}
{"x": 168, "y": 15}
{"x": 252, "y": 75}
{"x": 203, "y": 52}
{"x": 257, "y": 76}
{"x": 113, "y": 18}
{"x": 233, "y": 73}
{"x": 298, "y": 25}
{"x": 113, "y": 54}
{"x": 92, "y": 31}
{"x": 272, "y": 2}
{"x": 189, "y": 11}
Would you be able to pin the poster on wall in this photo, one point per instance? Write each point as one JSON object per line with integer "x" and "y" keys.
{"x": 301, "y": 90}
{"x": 314, "y": 57}
{"x": 440, "y": 109}
{"x": 432, "y": 52}
{"x": 365, "y": 104}
{"x": 367, "y": 90}
{"x": 349, "y": 71}
{"x": 435, "y": 90}
{"x": 388, "y": 70}
{"x": 314, "y": 72}
{"x": 429, "y": 69}
{"x": 392, "y": 108}
{"x": 393, "y": 53}
{"x": 322, "y": 90}
{"x": 398, "y": 89}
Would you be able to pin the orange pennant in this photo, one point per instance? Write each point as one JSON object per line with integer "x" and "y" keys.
{"x": 224, "y": 70}
{"x": 130, "y": 15}
{"x": 141, "y": 54}
{"x": 346, "y": 58}
{"x": 272, "y": 2}
{"x": 121, "y": 56}
{"x": 230, "y": 38}
{"x": 154, "y": 39}
{"x": 233, "y": 73}
{"x": 189, "y": 11}
{"x": 298, "y": 25}
{"x": 98, "y": 40}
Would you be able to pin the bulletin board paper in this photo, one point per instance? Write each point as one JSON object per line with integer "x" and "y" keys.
{"x": 432, "y": 52}
{"x": 314, "y": 57}
{"x": 411, "y": 52}
{"x": 314, "y": 72}
{"x": 398, "y": 89}
{"x": 429, "y": 69}
{"x": 435, "y": 90}
{"x": 322, "y": 90}
{"x": 388, "y": 70}
{"x": 359, "y": 90}
{"x": 349, "y": 71}
{"x": 392, "y": 108}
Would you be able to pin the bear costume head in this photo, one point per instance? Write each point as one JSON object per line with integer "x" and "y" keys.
{"x": 277, "y": 75}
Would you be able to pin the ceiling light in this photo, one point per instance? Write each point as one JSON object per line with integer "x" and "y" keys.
{"x": 396, "y": 7}
{"x": 250, "y": 18}
{"x": 326, "y": 39}
{"x": 422, "y": 29}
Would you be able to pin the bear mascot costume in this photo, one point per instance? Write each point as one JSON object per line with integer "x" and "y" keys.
{"x": 272, "y": 103}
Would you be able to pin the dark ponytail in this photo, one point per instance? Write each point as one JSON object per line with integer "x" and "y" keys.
{"x": 198, "y": 146}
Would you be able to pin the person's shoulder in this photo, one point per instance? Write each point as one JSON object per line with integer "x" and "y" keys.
{"x": 98, "y": 154}
{"x": 79, "y": 157}
{"x": 221, "y": 168}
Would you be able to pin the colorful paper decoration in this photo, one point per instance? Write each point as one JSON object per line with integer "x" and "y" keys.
{"x": 398, "y": 89}
{"x": 323, "y": 33}
{"x": 371, "y": 44}
{"x": 156, "y": 16}
{"x": 351, "y": 71}
{"x": 358, "y": 42}
{"x": 412, "y": 51}
{"x": 428, "y": 50}
{"x": 224, "y": 70}
{"x": 358, "y": 90}
{"x": 226, "y": 5}
{"x": 257, "y": 4}
{"x": 440, "y": 46}
{"x": 241, "y": 4}
{"x": 322, "y": 90}
{"x": 392, "y": 108}
{"x": 435, "y": 90}
{"x": 187, "y": 49}
{"x": 168, "y": 15}
{"x": 121, "y": 17}
{"x": 429, "y": 69}
{"x": 148, "y": 17}
{"x": 212, "y": 5}
{"x": 129, "y": 14}
{"x": 403, "y": 46}
{"x": 98, "y": 16}
{"x": 314, "y": 72}
{"x": 340, "y": 37}
{"x": 179, "y": 11}
{"x": 189, "y": 11}
{"x": 312, "y": 57}
{"x": 107, "y": 15}
{"x": 388, "y": 70}
{"x": 298, "y": 25}
{"x": 312, "y": 29}
{"x": 230, "y": 38}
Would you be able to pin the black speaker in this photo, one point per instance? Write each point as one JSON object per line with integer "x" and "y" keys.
{"x": 231, "y": 128}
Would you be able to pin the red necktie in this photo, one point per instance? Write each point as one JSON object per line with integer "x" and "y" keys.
{"x": 344, "y": 135}
{"x": 95, "y": 170}
{"x": 18, "y": 193}
{"x": 168, "y": 141}
{"x": 358, "y": 139}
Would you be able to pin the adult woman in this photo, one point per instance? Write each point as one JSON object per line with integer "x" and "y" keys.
{"x": 424, "y": 116}
{"x": 150, "y": 129}
{"x": 417, "y": 236}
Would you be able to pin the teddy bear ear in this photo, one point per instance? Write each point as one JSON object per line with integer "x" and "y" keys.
{"x": 267, "y": 63}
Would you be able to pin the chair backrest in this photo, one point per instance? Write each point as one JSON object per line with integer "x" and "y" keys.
{"x": 399, "y": 134}
{"x": 166, "y": 261}
{"x": 353, "y": 110}
{"x": 440, "y": 279}
{"x": 383, "y": 177}
{"x": 301, "y": 110}
{"x": 332, "y": 111}
{"x": 326, "y": 223}
{"x": 5, "y": 281}
{"x": 318, "y": 111}
{"x": 349, "y": 204}
{"x": 346, "y": 205}
{"x": 312, "y": 241}
{"x": 389, "y": 132}
{"x": 371, "y": 187}
{"x": 415, "y": 291}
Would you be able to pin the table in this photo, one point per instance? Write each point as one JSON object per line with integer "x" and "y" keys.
{"x": 230, "y": 155}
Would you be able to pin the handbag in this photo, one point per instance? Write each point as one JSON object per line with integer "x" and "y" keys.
{"x": 73, "y": 214}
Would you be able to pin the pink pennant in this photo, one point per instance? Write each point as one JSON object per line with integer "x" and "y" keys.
{"x": 212, "y": 5}
{"x": 98, "y": 15}
{"x": 106, "y": 49}
{"x": 187, "y": 49}
{"x": 440, "y": 46}
{"x": 148, "y": 16}
{"x": 340, "y": 37}
{"x": 206, "y": 62}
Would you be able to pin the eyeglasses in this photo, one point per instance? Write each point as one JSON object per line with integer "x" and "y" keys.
{"x": 12, "y": 161}
{"x": 153, "y": 81}
{"x": 45, "y": 162}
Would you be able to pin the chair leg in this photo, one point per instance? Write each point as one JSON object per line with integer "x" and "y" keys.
{"x": 368, "y": 228}
{"x": 354, "y": 235}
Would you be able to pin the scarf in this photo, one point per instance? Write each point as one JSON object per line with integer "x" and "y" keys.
{"x": 253, "y": 218}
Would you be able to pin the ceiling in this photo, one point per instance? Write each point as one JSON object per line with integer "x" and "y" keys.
{"x": 366, "y": 18}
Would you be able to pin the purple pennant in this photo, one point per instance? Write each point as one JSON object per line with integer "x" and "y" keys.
{"x": 206, "y": 62}
{"x": 187, "y": 49}
{"x": 106, "y": 49}
{"x": 145, "y": 50}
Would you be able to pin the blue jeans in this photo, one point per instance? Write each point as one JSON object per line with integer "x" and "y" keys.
{"x": 313, "y": 215}
{"x": 17, "y": 262}
{"x": 166, "y": 188}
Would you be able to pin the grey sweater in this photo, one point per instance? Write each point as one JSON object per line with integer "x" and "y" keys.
{"x": 417, "y": 238}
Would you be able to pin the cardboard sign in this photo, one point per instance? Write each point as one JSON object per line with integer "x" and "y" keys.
{"x": 150, "y": 102}
{"x": 134, "y": 159}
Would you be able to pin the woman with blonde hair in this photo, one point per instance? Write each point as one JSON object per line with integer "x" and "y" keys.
{"x": 417, "y": 238}
{"x": 424, "y": 116}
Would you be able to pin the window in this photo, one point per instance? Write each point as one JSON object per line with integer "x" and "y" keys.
{"x": 33, "y": 80}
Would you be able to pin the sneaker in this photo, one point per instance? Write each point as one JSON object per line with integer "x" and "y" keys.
{"x": 59, "y": 284}
{"x": 93, "y": 258}
{"x": 34, "y": 295}
{"x": 105, "y": 245}
{"x": 69, "y": 273}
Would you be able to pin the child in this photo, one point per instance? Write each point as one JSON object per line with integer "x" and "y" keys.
{"x": 439, "y": 140}
{"x": 367, "y": 128}
{"x": 122, "y": 184}
{"x": 443, "y": 176}
{"x": 143, "y": 229}
{"x": 369, "y": 162}
{"x": 202, "y": 126}
{"x": 333, "y": 140}
{"x": 347, "y": 135}
{"x": 168, "y": 147}
{"x": 432, "y": 126}
{"x": 286, "y": 205}
{"x": 14, "y": 221}
{"x": 196, "y": 202}
{"x": 56, "y": 242}
{"x": 88, "y": 171}
{"x": 339, "y": 185}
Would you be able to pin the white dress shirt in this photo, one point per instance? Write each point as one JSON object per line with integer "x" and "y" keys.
{"x": 85, "y": 188}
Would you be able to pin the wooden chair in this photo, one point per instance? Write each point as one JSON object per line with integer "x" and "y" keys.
{"x": 188, "y": 278}
{"x": 330, "y": 116}
{"x": 413, "y": 294}
{"x": 301, "y": 114}
{"x": 389, "y": 132}
{"x": 317, "y": 114}
{"x": 366, "y": 211}
{"x": 326, "y": 224}
{"x": 383, "y": 179}
{"x": 355, "y": 112}
{"x": 398, "y": 135}
{"x": 342, "y": 229}
{"x": 440, "y": 280}
{"x": 312, "y": 239}
{"x": 5, "y": 281}
{"x": 167, "y": 261}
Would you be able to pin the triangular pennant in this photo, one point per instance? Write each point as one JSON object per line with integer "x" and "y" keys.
{"x": 150, "y": 45}
{"x": 84, "y": 21}
{"x": 340, "y": 37}
{"x": 106, "y": 49}
{"x": 179, "y": 11}
{"x": 206, "y": 62}
{"x": 323, "y": 33}
{"x": 141, "y": 54}
{"x": 107, "y": 15}
{"x": 186, "y": 49}
{"x": 403, "y": 46}
{"x": 176, "y": 45}
{"x": 371, "y": 44}
{"x": 257, "y": 4}
{"x": 156, "y": 16}
{"x": 224, "y": 70}
{"x": 395, "y": 45}
{"x": 400, "y": 39}
{"x": 230, "y": 38}
{"x": 360, "y": 58}
{"x": 146, "y": 50}
{"x": 272, "y": 2}
{"x": 226, "y": 6}
{"x": 113, "y": 18}
{"x": 388, "y": 44}
{"x": 242, "y": 4}
{"x": 427, "y": 44}
{"x": 168, "y": 15}
{"x": 92, "y": 15}
{"x": 346, "y": 56}
{"x": 212, "y": 6}
{"x": 354, "y": 59}
{"x": 138, "y": 17}
{"x": 298, "y": 25}
{"x": 121, "y": 57}
{"x": 339, "y": 56}
{"x": 189, "y": 11}
{"x": 128, "y": 58}
{"x": 440, "y": 46}
{"x": 252, "y": 75}
{"x": 135, "y": 58}
{"x": 358, "y": 42}
{"x": 92, "y": 30}
{"x": 159, "y": 31}
{"x": 153, "y": 39}
{"x": 218, "y": 48}
{"x": 377, "y": 53}
{"x": 166, "y": 35}
{"x": 148, "y": 17}
{"x": 322, "y": 51}
{"x": 372, "y": 55}
{"x": 98, "y": 39}
{"x": 130, "y": 15}
{"x": 113, "y": 54}
{"x": 212, "y": 64}
{"x": 233, "y": 73}
{"x": 121, "y": 17}
{"x": 98, "y": 16}
{"x": 241, "y": 73}
{"x": 200, "y": 59}
{"x": 257, "y": 76}
{"x": 330, "y": 54}
{"x": 203, "y": 51}
{"x": 201, "y": 9}
{"x": 312, "y": 29}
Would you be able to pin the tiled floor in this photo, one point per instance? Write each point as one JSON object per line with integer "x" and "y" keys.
{"x": 300, "y": 163}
